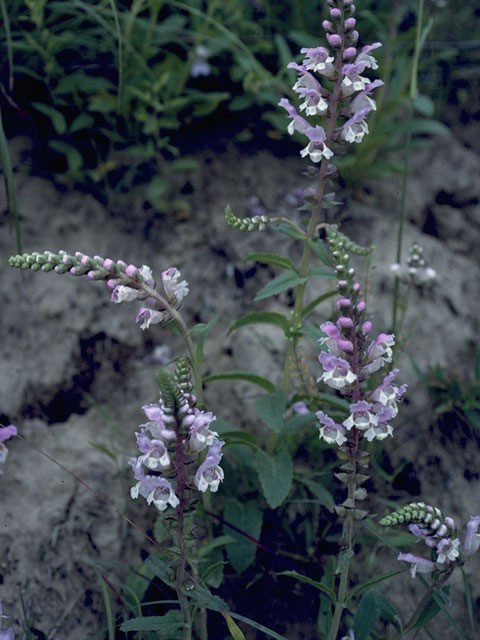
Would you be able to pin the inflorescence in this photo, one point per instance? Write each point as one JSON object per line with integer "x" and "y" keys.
{"x": 438, "y": 532}
{"x": 347, "y": 93}
{"x": 351, "y": 358}
{"x": 170, "y": 445}
{"x": 125, "y": 281}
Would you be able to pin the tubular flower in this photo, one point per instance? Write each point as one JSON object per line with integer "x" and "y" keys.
{"x": 341, "y": 64}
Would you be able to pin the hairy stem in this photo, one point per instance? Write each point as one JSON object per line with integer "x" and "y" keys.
{"x": 180, "y": 569}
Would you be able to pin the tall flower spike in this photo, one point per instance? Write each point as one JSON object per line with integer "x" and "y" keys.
{"x": 340, "y": 64}
{"x": 351, "y": 358}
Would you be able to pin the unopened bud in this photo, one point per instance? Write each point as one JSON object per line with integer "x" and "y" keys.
{"x": 334, "y": 40}
{"x": 350, "y": 23}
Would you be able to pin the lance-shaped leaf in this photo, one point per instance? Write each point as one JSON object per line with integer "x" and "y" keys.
{"x": 262, "y": 317}
{"x": 275, "y": 474}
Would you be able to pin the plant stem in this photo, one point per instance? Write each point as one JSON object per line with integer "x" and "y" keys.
{"x": 312, "y": 227}
{"x": 180, "y": 569}
{"x": 408, "y": 146}
{"x": 197, "y": 376}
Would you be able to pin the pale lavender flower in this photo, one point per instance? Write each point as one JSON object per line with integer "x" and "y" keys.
{"x": 337, "y": 373}
{"x": 298, "y": 123}
{"x": 153, "y": 488}
{"x": 8, "y": 634}
{"x": 174, "y": 289}
{"x": 447, "y": 549}
{"x": 5, "y": 434}
{"x": 200, "y": 66}
{"x": 155, "y": 455}
{"x": 147, "y": 316}
{"x": 355, "y": 128}
{"x": 330, "y": 431}
{"x": 320, "y": 60}
{"x": 160, "y": 422}
{"x": 200, "y": 436}
{"x": 418, "y": 564}
{"x": 300, "y": 408}
{"x": 360, "y": 417}
{"x": 472, "y": 538}
{"x": 209, "y": 474}
{"x": 316, "y": 149}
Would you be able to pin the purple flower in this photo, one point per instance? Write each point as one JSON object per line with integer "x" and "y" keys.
{"x": 159, "y": 421}
{"x": 360, "y": 417}
{"x": 153, "y": 488}
{"x": 337, "y": 372}
{"x": 316, "y": 148}
{"x": 298, "y": 123}
{"x": 378, "y": 353}
{"x": 5, "y": 434}
{"x": 200, "y": 436}
{"x": 362, "y": 100}
{"x": 355, "y": 128}
{"x": 209, "y": 474}
{"x": 318, "y": 59}
{"x": 174, "y": 289}
{"x": 155, "y": 455}
{"x": 330, "y": 431}
{"x": 333, "y": 336}
{"x": 147, "y": 316}
{"x": 418, "y": 564}
{"x": 472, "y": 538}
{"x": 447, "y": 549}
{"x": 200, "y": 66}
{"x": 300, "y": 408}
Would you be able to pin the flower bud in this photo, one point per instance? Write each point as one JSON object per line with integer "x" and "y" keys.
{"x": 366, "y": 327}
{"x": 345, "y": 323}
{"x": 350, "y": 23}
{"x": 343, "y": 302}
{"x": 131, "y": 271}
{"x": 361, "y": 306}
{"x": 345, "y": 345}
{"x": 328, "y": 26}
{"x": 349, "y": 53}
{"x": 334, "y": 40}
{"x": 336, "y": 14}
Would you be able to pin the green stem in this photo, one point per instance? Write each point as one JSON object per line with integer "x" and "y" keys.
{"x": 180, "y": 569}
{"x": 343, "y": 562}
{"x": 421, "y": 605}
{"x": 197, "y": 376}
{"x": 406, "y": 166}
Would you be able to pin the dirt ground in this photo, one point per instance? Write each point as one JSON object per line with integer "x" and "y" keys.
{"x": 75, "y": 370}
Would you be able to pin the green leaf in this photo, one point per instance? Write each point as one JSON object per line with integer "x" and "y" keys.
{"x": 317, "y": 272}
{"x": 297, "y": 423}
{"x": 473, "y": 417}
{"x": 57, "y": 119}
{"x": 203, "y": 598}
{"x": 325, "y": 612}
{"x": 73, "y": 82}
{"x": 271, "y": 258}
{"x": 314, "y": 303}
{"x": 246, "y": 376}
{"x": 367, "y": 614}
{"x": 232, "y": 438}
{"x": 260, "y": 627}
{"x": 312, "y": 331}
{"x": 322, "y": 494}
{"x": 286, "y": 280}
{"x": 271, "y": 409}
{"x": 167, "y": 626}
{"x": 328, "y": 591}
{"x": 432, "y": 606}
{"x": 388, "y": 612}
{"x": 159, "y": 530}
{"x": 236, "y": 632}
{"x": 160, "y": 569}
{"x": 262, "y": 317}
{"x": 246, "y": 517}
{"x": 275, "y": 474}
{"x": 319, "y": 249}
{"x": 203, "y": 330}
{"x": 214, "y": 544}
{"x": 74, "y": 158}
{"x": 82, "y": 121}
{"x": 369, "y": 583}
{"x": 424, "y": 105}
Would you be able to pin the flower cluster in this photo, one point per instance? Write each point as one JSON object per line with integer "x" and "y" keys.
{"x": 169, "y": 444}
{"x": 125, "y": 281}
{"x": 8, "y": 634}
{"x": 438, "y": 532}
{"x": 5, "y": 434}
{"x": 416, "y": 270}
{"x": 351, "y": 357}
{"x": 350, "y": 96}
